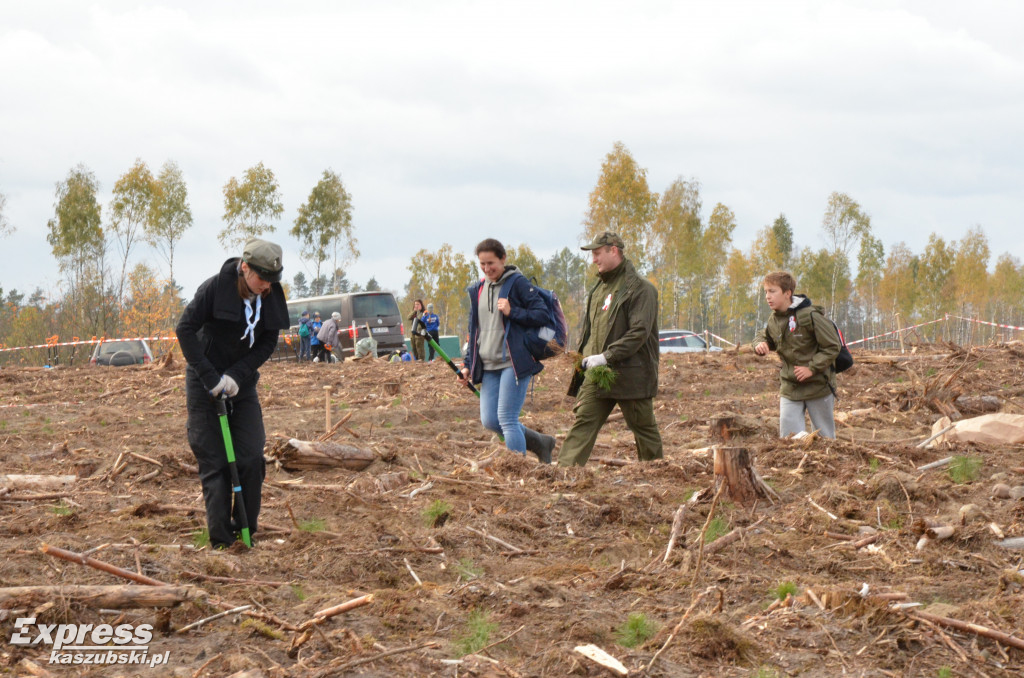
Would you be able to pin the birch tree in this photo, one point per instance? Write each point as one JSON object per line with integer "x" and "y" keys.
{"x": 843, "y": 225}
{"x": 324, "y": 225}
{"x": 170, "y": 214}
{"x": 250, "y": 207}
{"x": 524, "y": 259}
{"x": 673, "y": 246}
{"x": 897, "y": 288}
{"x": 130, "y": 209}
{"x": 77, "y": 241}
{"x": 622, "y": 203}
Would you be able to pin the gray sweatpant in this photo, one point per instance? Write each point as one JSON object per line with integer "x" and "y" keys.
{"x": 791, "y": 416}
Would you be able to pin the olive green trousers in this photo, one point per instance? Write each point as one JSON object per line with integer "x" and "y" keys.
{"x": 592, "y": 411}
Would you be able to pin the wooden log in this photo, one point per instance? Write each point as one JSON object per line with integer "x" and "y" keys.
{"x": 303, "y": 455}
{"x": 116, "y": 596}
{"x": 734, "y": 469}
{"x": 16, "y": 481}
{"x": 978, "y": 404}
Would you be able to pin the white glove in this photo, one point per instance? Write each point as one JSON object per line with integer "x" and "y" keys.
{"x": 226, "y": 385}
{"x": 594, "y": 361}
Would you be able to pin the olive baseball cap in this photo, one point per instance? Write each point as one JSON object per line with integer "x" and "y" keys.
{"x": 264, "y": 257}
{"x": 603, "y": 239}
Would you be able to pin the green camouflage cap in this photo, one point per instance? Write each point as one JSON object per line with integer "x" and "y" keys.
{"x": 605, "y": 238}
{"x": 264, "y": 257}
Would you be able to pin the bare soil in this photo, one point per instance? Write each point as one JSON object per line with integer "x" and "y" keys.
{"x": 536, "y": 559}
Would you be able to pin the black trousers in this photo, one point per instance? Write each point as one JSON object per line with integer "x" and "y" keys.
{"x": 245, "y": 419}
{"x": 437, "y": 339}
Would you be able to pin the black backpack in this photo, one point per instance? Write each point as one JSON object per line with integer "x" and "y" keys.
{"x": 844, "y": 360}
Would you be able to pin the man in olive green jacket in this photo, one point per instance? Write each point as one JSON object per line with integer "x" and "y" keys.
{"x": 620, "y": 330}
{"x": 808, "y": 343}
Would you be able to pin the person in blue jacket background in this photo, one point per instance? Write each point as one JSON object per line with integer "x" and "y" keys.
{"x": 502, "y": 305}
{"x": 432, "y": 323}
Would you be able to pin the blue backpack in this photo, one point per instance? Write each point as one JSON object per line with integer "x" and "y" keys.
{"x": 555, "y": 331}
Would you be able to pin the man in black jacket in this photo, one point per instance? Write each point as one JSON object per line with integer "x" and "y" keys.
{"x": 228, "y": 330}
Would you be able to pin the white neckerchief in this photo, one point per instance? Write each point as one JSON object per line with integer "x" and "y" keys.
{"x": 250, "y": 320}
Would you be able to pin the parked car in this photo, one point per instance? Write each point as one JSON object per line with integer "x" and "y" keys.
{"x": 120, "y": 353}
{"x": 682, "y": 341}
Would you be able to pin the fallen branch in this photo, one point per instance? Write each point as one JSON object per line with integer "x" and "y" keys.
{"x": 599, "y": 656}
{"x": 16, "y": 481}
{"x": 704, "y": 530}
{"x": 686, "y": 614}
{"x": 232, "y": 580}
{"x": 329, "y": 612}
{"x": 334, "y": 429}
{"x": 510, "y": 547}
{"x": 412, "y": 572}
{"x": 934, "y": 436}
{"x": 197, "y": 624}
{"x": 977, "y": 629}
{"x": 34, "y": 497}
{"x": 726, "y": 539}
{"x": 113, "y": 596}
{"x": 99, "y": 565}
{"x": 823, "y": 509}
{"x": 677, "y": 528}
{"x": 935, "y": 464}
{"x": 366, "y": 660}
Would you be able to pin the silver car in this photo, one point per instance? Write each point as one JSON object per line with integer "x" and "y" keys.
{"x": 120, "y": 353}
{"x": 682, "y": 341}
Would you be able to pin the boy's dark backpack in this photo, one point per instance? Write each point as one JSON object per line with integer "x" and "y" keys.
{"x": 844, "y": 360}
{"x": 549, "y": 340}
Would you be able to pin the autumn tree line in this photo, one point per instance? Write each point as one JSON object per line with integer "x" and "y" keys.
{"x": 704, "y": 280}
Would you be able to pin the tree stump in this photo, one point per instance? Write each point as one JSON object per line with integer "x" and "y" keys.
{"x": 392, "y": 388}
{"x": 734, "y": 467}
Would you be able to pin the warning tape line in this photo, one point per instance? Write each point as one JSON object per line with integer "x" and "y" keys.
{"x": 984, "y": 322}
{"x": 886, "y": 334}
{"x": 87, "y": 341}
{"x": 721, "y": 338}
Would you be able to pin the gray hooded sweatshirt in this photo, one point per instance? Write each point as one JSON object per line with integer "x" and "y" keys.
{"x": 492, "y": 327}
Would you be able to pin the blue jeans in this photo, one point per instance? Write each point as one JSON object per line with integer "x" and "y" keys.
{"x": 304, "y": 349}
{"x": 501, "y": 400}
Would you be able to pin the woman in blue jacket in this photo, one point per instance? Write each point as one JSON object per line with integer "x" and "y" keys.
{"x": 502, "y": 305}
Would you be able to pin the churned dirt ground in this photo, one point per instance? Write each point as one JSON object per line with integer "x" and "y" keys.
{"x": 466, "y": 548}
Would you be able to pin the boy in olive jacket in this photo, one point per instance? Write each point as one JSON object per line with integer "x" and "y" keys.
{"x": 807, "y": 343}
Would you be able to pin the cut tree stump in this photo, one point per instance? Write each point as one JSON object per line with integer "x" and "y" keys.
{"x": 734, "y": 468}
{"x": 303, "y": 455}
{"x": 114, "y": 596}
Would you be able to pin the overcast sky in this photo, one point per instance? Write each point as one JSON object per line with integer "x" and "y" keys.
{"x": 450, "y": 122}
